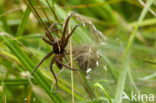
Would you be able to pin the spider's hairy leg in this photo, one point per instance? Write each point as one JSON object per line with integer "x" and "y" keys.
{"x": 48, "y": 55}
{"x": 68, "y": 67}
{"x": 36, "y": 14}
{"x": 52, "y": 26}
{"x": 51, "y": 69}
{"x": 47, "y": 41}
{"x": 66, "y": 25}
{"x": 50, "y": 29}
{"x": 72, "y": 31}
{"x": 68, "y": 53}
{"x": 65, "y": 42}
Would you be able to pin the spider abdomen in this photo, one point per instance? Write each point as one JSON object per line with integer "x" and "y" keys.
{"x": 59, "y": 65}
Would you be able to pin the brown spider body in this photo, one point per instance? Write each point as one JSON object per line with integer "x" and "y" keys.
{"x": 59, "y": 58}
{"x": 58, "y": 47}
{"x": 59, "y": 53}
{"x": 57, "y": 44}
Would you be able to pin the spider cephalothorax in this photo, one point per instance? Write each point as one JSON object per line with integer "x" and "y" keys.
{"x": 57, "y": 48}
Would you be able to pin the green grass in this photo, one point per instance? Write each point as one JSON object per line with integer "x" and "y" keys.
{"x": 127, "y": 60}
{"x": 123, "y": 74}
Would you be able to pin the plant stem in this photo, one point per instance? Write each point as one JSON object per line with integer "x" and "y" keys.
{"x": 71, "y": 60}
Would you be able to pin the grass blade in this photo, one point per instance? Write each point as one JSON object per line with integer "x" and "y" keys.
{"x": 103, "y": 90}
{"x": 23, "y": 22}
{"x": 26, "y": 61}
{"x": 123, "y": 73}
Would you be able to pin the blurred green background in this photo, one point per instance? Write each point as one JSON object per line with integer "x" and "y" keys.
{"x": 125, "y": 62}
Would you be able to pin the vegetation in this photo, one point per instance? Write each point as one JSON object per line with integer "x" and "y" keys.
{"x": 116, "y": 41}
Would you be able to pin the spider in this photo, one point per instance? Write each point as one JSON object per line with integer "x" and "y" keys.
{"x": 58, "y": 47}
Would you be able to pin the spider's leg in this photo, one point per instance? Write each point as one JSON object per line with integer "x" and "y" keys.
{"x": 72, "y": 31}
{"x": 47, "y": 41}
{"x": 68, "y": 67}
{"x": 68, "y": 53}
{"x": 48, "y": 55}
{"x": 51, "y": 69}
{"x": 36, "y": 14}
{"x": 65, "y": 42}
{"x": 52, "y": 26}
{"x": 65, "y": 27}
{"x": 50, "y": 29}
